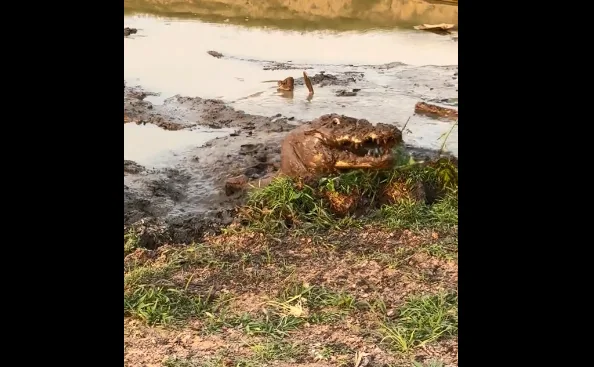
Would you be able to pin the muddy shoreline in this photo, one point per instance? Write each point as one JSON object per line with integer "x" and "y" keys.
{"x": 186, "y": 200}
{"x": 183, "y": 202}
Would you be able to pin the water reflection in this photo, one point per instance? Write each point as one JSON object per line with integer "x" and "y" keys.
{"x": 304, "y": 14}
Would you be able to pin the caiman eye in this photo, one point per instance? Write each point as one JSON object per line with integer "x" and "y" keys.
{"x": 335, "y": 121}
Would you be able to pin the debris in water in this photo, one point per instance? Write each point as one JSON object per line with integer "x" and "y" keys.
{"x": 443, "y": 28}
{"x": 430, "y": 110}
{"x": 345, "y": 93}
{"x": 218, "y": 55}
{"x": 308, "y": 83}
{"x": 128, "y": 31}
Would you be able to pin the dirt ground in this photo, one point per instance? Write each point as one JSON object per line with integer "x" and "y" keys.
{"x": 375, "y": 271}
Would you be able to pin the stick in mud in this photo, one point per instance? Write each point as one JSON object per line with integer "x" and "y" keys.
{"x": 308, "y": 83}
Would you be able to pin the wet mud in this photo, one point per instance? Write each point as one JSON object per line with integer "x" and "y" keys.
{"x": 183, "y": 202}
{"x": 199, "y": 188}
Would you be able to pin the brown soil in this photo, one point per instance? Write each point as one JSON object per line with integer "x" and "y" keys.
{"x": 368, "y": 264}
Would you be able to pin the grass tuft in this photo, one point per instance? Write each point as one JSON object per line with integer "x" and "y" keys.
{"x": 422, "y": 320}
{"x": 131, "y": 241}
{"x": 160, "y": 305}
{"x": 413, "y": 195}
{"x": 284, "y": 204}
{"x": 276, "y": 351}
{"x": 429, "y": 363}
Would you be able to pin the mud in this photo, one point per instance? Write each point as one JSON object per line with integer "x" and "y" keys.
{"x": 195, "y": 192}
{"x": 324, "y": 80}
{"x": 183, "y": 202}
{"x": 190, "y": 198}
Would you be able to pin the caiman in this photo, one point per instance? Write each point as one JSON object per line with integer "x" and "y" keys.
{"x": 334, "y": 143}
{"x": 329, "y": 144}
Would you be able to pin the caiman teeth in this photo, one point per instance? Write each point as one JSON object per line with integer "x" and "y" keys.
{"x": 375, "y": 152}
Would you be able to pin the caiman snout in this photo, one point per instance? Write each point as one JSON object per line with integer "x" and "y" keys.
{"x": 335, "y": 142}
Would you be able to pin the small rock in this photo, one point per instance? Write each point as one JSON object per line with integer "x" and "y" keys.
{"x": 344, "y": 93}
{"x": 235, "y": 184}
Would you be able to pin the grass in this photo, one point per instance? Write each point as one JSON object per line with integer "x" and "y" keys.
{"x": 161, "y": 305}
{"x": 413, "y": 195}
{"x": 409, "y": 214}
{"x": 260, "y": 354}
{"x": 270, "y": 324}
{"x": 430, "y": 363}
{"x": 131, "y": 241}
{"x": 422, "y": 320}
{"x": 318, "y": 272}
{"x": 276, "y": 351}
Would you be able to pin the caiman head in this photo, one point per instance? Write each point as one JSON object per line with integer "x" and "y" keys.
{"x": 334, "y": 143}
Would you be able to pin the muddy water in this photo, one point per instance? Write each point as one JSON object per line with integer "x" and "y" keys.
{"x": 169, "y": 56}
{"x": 153, "y": 147}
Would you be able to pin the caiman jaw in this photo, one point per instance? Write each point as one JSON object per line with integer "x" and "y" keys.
{"x": 345, "y": 165}
{"x": 370, "y": 146}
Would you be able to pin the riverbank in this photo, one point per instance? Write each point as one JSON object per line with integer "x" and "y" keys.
{"x": 339, "y": 15}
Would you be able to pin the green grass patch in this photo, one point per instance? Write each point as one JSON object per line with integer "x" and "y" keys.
{"x": 408, "y": 214}
{"x": 186, "y": 362}
{"x": 422, "y": 320}
{"x": 262, "y": 353}
{"x": 295, "y": 306}
{"x": 429, "y": 363}
{"x": 318, "y": 305}
{"x": 271, "y": 324}
{"x": 446, "y": 249}
{"x": 217, "y": 361}
{"x": 281, "y": 205}
{"x": 131, "y": 241}
{"x": 276, "y": 350}
{"x": 151, "y": 295}
{"x": 161, "y": 305}
{"x": 412, "y": 195}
